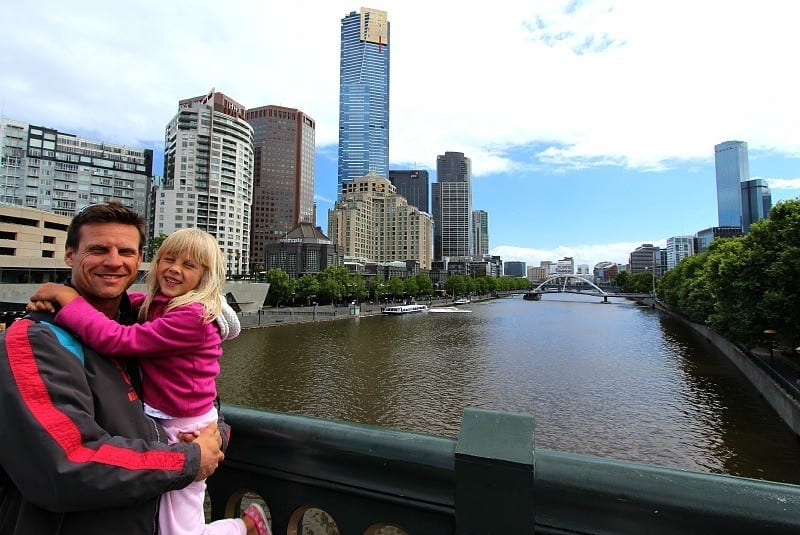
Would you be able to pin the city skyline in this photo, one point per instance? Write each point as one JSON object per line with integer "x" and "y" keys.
{"x": 590, "y": 128}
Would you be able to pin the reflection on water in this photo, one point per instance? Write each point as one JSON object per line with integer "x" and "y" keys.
{"x": 611, "y": 380}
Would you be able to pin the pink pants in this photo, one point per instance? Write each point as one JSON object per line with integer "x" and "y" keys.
{"x": 181, "y": 511}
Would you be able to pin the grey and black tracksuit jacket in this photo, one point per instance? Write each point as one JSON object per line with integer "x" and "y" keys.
{"x": 77, "y": 453}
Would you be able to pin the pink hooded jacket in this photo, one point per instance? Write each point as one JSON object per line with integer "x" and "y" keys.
{"x": 178, "y": 352}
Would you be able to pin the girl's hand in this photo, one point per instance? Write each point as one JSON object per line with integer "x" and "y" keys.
{"x": 53, "y": 294}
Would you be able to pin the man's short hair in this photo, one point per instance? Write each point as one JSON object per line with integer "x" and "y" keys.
{"x": 106, "y": 212}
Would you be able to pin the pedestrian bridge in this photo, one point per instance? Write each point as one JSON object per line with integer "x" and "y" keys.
{"x": 572, "y": 283}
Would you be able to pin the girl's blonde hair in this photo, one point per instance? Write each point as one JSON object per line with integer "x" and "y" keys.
{"x": 204, "y": 249}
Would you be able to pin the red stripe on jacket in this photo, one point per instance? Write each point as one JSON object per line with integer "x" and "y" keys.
{"x": 60, "y": 427}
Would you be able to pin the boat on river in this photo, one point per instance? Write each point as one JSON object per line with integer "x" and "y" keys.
{"x": 405, "y": 309}
{"x": 448, "y": 309}
{"x": 462, "y": 301}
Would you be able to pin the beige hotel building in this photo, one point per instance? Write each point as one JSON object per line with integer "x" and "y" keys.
{"x": 373, "y": 222}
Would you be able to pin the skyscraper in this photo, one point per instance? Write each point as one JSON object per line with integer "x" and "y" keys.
{"x": 208, "y": 175}
{"x": 732, "y": 168}
{"x": 756, "y": 202}
{"x": 480, "y": 232}
{"x": 283, "y": 176}
{"x": 363, "y": 96}
{"x": 452, "y": 206}
{"x": 414, "y": 186}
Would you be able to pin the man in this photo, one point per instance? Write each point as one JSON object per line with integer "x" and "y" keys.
{"x": 77, "y": 453}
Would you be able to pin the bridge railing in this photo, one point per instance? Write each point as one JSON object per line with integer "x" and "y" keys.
{"x": 491, "y": 479}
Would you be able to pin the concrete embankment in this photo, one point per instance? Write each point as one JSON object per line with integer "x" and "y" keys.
{"x": 773, "y": 376}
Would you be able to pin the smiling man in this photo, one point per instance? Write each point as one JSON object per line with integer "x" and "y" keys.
{"x": 78, "y": 454}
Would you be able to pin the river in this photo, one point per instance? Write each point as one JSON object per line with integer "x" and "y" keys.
{"x": 611, "y": 380}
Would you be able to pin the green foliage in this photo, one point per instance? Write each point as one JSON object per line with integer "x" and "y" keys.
{"x": 411, "y": 286}
{"x": 307, "y": 288}
{"x": 424, "y": 284}
{"x": 744, "y": 285}
{"x": 281, "y": 287}
{"x": 154, "y": 245}
{"x": 396, "y": 287}
{"x": 333, "y": 284}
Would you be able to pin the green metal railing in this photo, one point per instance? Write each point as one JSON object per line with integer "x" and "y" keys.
{"x": 489, "y": 480}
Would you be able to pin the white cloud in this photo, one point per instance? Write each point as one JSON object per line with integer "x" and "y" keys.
{"x": 621, "y": 81}
{"x": 783, "y": 183}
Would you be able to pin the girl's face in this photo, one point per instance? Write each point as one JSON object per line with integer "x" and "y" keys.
{"x": 178, "y": 274}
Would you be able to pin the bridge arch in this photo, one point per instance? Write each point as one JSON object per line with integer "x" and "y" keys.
{"x": 567, "y": 277}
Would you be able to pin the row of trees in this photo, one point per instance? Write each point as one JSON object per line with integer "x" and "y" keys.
{"x": 742, "y": 286}
{"x": 336, "y": 285}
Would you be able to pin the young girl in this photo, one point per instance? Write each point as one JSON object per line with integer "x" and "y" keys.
{"x": 183, "y": 322}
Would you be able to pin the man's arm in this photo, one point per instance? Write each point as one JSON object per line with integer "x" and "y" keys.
{"x": 54, "y": 450}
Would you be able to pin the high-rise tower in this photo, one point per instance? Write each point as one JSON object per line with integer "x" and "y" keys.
{"x": 208, "y": 175}
{"x": 363, "y": 96}
{"x": 413, "y": 185}
{"x": 732, "y": 168}
{"x": 756, "y": 202}
{"x": 283, "y": 177}
{"x": 480, "y": 232}
{"x": 451, "y": 197}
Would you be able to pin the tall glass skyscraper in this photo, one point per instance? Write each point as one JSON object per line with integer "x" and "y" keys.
{"x": 451, "y": 197}
{"x": 756, "y": 202}
{"x": 363, "y": 96}
{"x": 732, "y": 168}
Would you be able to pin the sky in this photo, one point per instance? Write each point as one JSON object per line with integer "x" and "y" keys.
{"x": 590, "y": 125}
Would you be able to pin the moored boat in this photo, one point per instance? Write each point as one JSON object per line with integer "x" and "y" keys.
{"x": 405, "y": 309}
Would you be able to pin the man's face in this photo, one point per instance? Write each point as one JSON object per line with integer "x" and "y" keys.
{"x": 105, "y": 263}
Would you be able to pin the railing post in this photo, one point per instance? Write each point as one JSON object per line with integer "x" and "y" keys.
{"x": 494, "y": 473}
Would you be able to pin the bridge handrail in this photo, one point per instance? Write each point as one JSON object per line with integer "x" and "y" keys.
{"x": 491, "y": 479}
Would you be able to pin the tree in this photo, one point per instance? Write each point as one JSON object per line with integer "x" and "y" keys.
{"x": 307, "y": 287}
{"x": 333, "y": 283}
{"x": 424, "y": 284}
{"x": 411, "y": 286}
{"x": 396, "y": 287}
{"x": 154, "y": 245}
{"x": 281, "y": 287}
{"x": 377, "y": 287}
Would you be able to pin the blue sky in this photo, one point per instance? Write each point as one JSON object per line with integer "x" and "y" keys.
{"x": 591, "y": 125}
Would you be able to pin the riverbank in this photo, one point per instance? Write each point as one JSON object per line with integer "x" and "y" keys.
{"x": 277, "y": 316}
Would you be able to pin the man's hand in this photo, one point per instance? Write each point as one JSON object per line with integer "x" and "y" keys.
{"x": 211, "y": 455}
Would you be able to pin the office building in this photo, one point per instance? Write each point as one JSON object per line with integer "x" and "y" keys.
{"x": 645, "y": 258}
{"x": 536, "y": 274}
{"x": 372, "y": 222}
{"x": 480, "y": 232}
{"x": 363, "y": 96}
{"x": 414, "y": 186}
{"x": 283, "y": 175}
{"x": 513, "y": 268}
{"x": 732, "y": 168}
{"x": 756, "y": 202}
{"x": 704, "y": 237}
{"x": 60, "y": 173}
{"x": 565, "y": 266}
{"x": 678, "y": 248}
{"x": 605, "y": 271}
{"x": 451, "y": 197}
{"x": 208, "y": 175}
